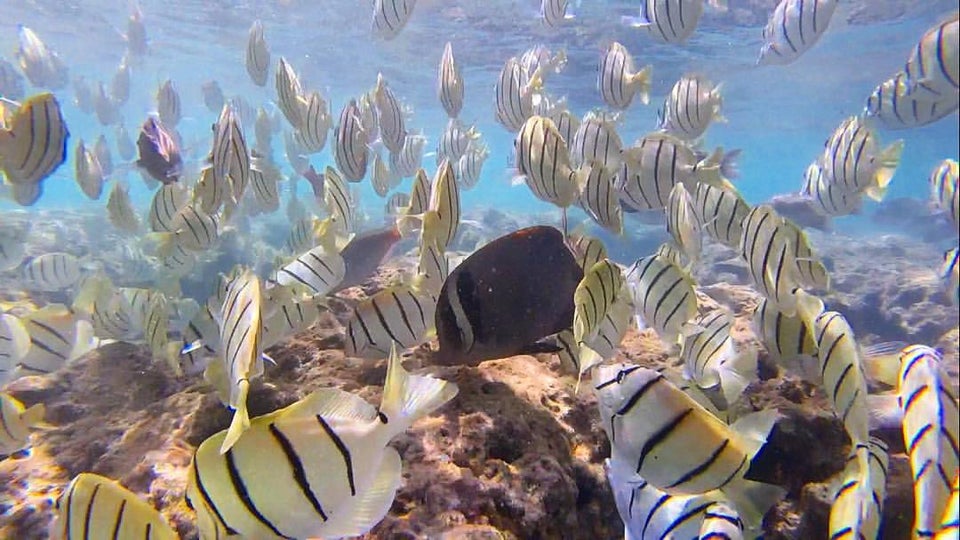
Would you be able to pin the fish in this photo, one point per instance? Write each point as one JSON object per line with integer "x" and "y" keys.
{"x": 396, "y": 206}
{"x": 289, "y": 93}
{"x": 168, "y": 105}
{"x": 57, "y": 336}
{"x": 420, "y": 193}
{"x": 666, "y": 438}
{"x": 596, "y": 139}
{"x": 599, "y": 197}
{"x": 41, "y": 65}
{"x": 450, "y": 83}
{"x": 93, "y": 506}
{"x": 618, "y": 80}
{"x": 136, "y": 36}
{"x": 390, "y": 16}
{"x": 295, "y": 153}
{"x": 601, "y": 286}
{"x": 364, "y": 254}
{"x": 513, "y": 95}
{"x": 179, "y": 262}
{"x": 83, "y": 95}
{"x": 931, "y": 428}
{"x": 944, "y": 190}
{"x": 52, "y": 272}
{"x": 120, "y": 84}
{"x": 587, "y": 250}
{"x": 406, "y": 162}
{"x": 711, "y": 357}
{"x": 858, "y": 500}
{"x": 693, "y": 104}
{"x": 288, "y": 315}
{"x": 164, "y": 207}
{"x": 14, "y": 345}
{"x": 455, "y": 140}
{"x": 125, "y": 146}
{"x": 788, "y": 339}
{"x": 257, "y": 54}
{"x": 316, "y": 272}
{"x": 382, "y": 177}
{"x": 793, "y": 28}
{"x": 682, "y": 224}
{"x": 484, "y": 313}
{"x": 853, "y": 159}
{"x": 670, "y": 21}
{"x": 230, "y": 156}
{"x": 390, "y": 116}
{"x": 337, "y": 200}
{"x": 891, "y": 108}
{"x": 312, "y": 134}
{"x": 107, "y": 110}
{"x": 950, "y": 274}
{"x": 193, "y": 229}
{"x": 445, "y": 201}
{"x": 828, "y": 198}
{"x": 337, "y": 476}
{"x": 102, "y": 150}
{"x": 670, "y": 252}
{"x": 554, "y": 12}
{"x": 567, "y": 123}
{"x": 542, "y": 158}
{"x": 159, "y": 153}
{"x": 369, "y": 119}
{"x": 17, "y": 422}
{"x": 213, "y": 97}
{"x": 664, "y": 296}
{"x": 433, "y": 267}
{"x": 470, "y": 165}
{"x": 931, "y": 70}
{"x": 396, "y": 316}
{"x": 88, "y": 172}
{"x": 265, "y": 189}
{"x": 351, "y": 151}
{"x": 11, "y": 81}
{"x": 120, "y": 210}
{"x": 721, "y": 212}
{"x": 200, "y": 342}
{"x": 33, "y": 146}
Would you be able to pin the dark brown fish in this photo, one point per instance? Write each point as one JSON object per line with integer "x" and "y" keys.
{"x": 159, "y": 154}
{"x": 506, "y": 297}
{"x": 365, "y": 253}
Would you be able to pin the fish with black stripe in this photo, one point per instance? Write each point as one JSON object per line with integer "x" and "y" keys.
{"x": 711, "y": 358}
{"x": 93, "y": 506}
{"x": 891, "y": 108}
{"x": 602, "y": 285}
{"x": 721, "y": 212}
{"x": 793, "y": 28}
{"x": 455, "y": 140}
{"x": 52, "y": 272}
{"x": 858, "y": 501}
{"x": 693, "y": 104}
{"x": 944, "y": 190}
{"x": 596, "y": 139}
{"x": 165, "y": 206}
{"x": 230, "y": 157}
{"x": 470, "y": 165}
{"x": 853, "y": 160}
{"x": 14, "y": 344}
{"x": 950, "y": 274}
{"x": 788, "y": 340}
{"x": 396, "y": 315}
{"x": 932, "y": 69}
{"x": 599, "y": 198}
{"x": 351, "y": 151}
{"x": 513, "y": 95}
{"x": 666, "y": 438}
{"x": 315, "y": 272}
{"x": 445, "y": 201}
{"x": 544, "y": 161}
{"x": 390, "y": 16}
{"x": 450, "y": 83}
{"x": 312, "y": 133}
{"x": 682, "y": 223}
{"x": 17, "y": 421}
{"x": 721, "y": 522}
{"x": 664, "y": 296}
{"x": 406, "y": 162}
{"x": 828, "y": 198}
{"x": 257, "y": 54}
{"x": 338, "y": 476}
{"x": 618, "y": 80}
{"x": 336, "y": 198}
{"x": 289, "y": 93}
{"x": 587, "y": 250}
{"x": 390, "y": 116}
{"x": 670, "y": 21}
{"x": 57, "y": 336}
{"x": 33, "y": 144}
{"x": 950, "y": 522}
{"x": 168, "y": 105}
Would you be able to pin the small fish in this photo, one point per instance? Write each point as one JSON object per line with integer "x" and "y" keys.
{"x": 108, "y": 510}
{"x": 618, "y": 81}
{"x": 567, "y": 123}
{"x": 406, "y": 162}
{"x": 83, "y": 95}
{"x": 470, "y": 165}
{"x": 397, "y": 205}
{"x": 213, "y": 97}
{"x": 950, "y": 522}
{"x": 889, "y": 105}
{"x": 931, "y": 71}
{"x": 364, "y": 255}
{"x": 788, "y": 340}
{"x": 450, "y": 83}
{"x": 288, "y": 315}
{"x": 257, "y": 54}
{"x": 455, "y": 140}
{"x": 164, "y": 207}
{"x": 828, "y": 198}
{"x": 351, "y": 151}
{"x": 950, "y": 273}
{"x": 57, "y": 336}
{"x": 17, "y": 422}
{"x": 381, "y": 177}
{"x": 41, "y": 65}
{"x": 871, "y": 169}
{"x": 120, "y": 84}
{"x": 102, "y": 150}
{"x": 664, "y": 296}
{"x": 600, "y": 287}
{"x": 599, "y": 198}
{"x": 390, "y": 16}
{"x": 201, "y": 338}
{"x": 168, "y": 105}
{"x": 312, "y": 134}
{"x": 397, "y": 316}
{"x": 289, "y": 94}
{"x": 179, "y": 262}
{"x": 230, "y": 157}
{"x": 587, "y": 250}
{"x": 52, "y": 272}
{"x": 793, "y": 28}
{"x": 125, "y": 146}
{"x": 420, "y": 193}
{"x": 136, "y": 33}
{"x": 596, "y": 140}
{"x": 34, "y": 145}
{"x": 369, "y": 119}
{"x": 670, "y": 21}
{"x": 336, "y": 476}
{"x": 265, "y": 189}
{"x": 682, "y": 223}
{"x": 554, "y": 12}
{"x": 88, "y": 172}
{"x": 336, "y": 197}
{"x": 721, "y": 212}
{"x": 295, "y": 152}
{"x": 445, "y": 201}
{"x": 693, "y": 104}
{"x": 543, "y": 159}
{"x": 711, "y": 359}
{"x": 670, "y": 252}
{"x": 390, "y": 116}
{"x": 433, "y": 267}
{"x": 944, "y": 189}
{"x": 666, "y": 438}
{"x": 193, "y": 229}
{"x": 120, "y": 210}
{"x": 513, "y": 95}
{"x": 14, "y": 345}
{"x": 858, "y": 501}
{"x": 484, "y": 313}
{"x": 315, "y": 272}
{"x": 159, "y": 154}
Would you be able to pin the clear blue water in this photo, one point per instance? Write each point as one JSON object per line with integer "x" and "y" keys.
{"x": 778, "y": 115}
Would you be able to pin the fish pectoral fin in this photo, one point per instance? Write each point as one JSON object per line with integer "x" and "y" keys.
{"x": 884, "y": 411}
{"x": 753, "y": 429}
{"x": 540, "y": 347}
{"x": 241, "y": 419}
{"x": 371, "y": 504}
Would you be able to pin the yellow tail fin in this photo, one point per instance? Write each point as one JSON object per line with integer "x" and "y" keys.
{"x": 642, "y": 80}
{"x": 887, "y": 163}
{"x": 241, "y": 420}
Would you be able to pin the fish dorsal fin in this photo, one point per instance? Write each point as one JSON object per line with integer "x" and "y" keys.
{"x": 370, "y": 505}
{"x": 330, "y": 403}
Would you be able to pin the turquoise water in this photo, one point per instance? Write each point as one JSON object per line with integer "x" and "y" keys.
{"x": 778, "y": 115}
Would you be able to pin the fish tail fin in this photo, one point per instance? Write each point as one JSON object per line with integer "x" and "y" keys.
{"x": 642, "y": 81}
{"x": 241, "y": 419}
{"x": 737, "y": 374}
{"x": 588, "y": 359}
{"x": 887, "y": 163}
{"x": 716, "y": 168}
{"x": 407, "y": 397}
{"x": 753, "y": 500}
{"x": 34, "y": 415}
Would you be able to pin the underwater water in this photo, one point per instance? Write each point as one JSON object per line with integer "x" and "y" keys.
{"x": 120, "y": 355}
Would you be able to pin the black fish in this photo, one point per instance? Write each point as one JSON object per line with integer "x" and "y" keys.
{"x": 505, "y": 297}
{"x": 159, "y": 155}
{"x": 365, "y": 253}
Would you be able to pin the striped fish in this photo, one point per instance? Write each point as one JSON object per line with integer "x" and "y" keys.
{"x": 543, "y": 159}
{"x": 381, "y": 177}
{"x": 931, "y": 429}
{"x": 34, "y": 144}
{"x": 693, "y": 104}
{"x": 288, "y": 315}
{"x": 721, "y": 212}
{"x": 450, "y": 83}
{"x": 266, "y": 192}
{"x": 125, "y": 146}
{"x": 165, "y": 205}
{"x": 88, "y": 172}
{"x": 390, "y": 16}
{"x": 793, "y": 28}
{"x": 670, "y": 252}
{"x": 156, "y": 330}
{"x": 682, "y": 223}
{"x": 14, "y": 344}
{"x": 666, "y": 438}
{"x": 587, "y": 250}
{"x": 57, "y": 336}
{"x": 601, "y": 286}
{"x": 788, "y": 340}
{"x": 932, "y": 69}
{"x": 445, "y": 201}
{"x": 312, "y": 133}
{"x": 669, "y": 21}
{"x": 944, "y": 189}
{"x": 52, "y": 272}
{"x": 168, "y": 104}
{"x": 397, "y": 205}
{"x": 828, "y": 198}
{"x": 664, "y": 296}
{"x": 200, "y": 339}
{"x": 42, "y": 66}
{"x": 16, "y": 422}
{"x": 513, "y": 96}
{"x": 470, "y": 165}
{"x": 406, "y": 162}
{"x": 618, "y": 80}
{"x": 432, "y": 268}
{"x": 92, "y": 506}
{"x": 315, "y": 272}
{"x": 257, "y": 54}
{"x": 567, "y": 123}
{"x": 11, "y": 81}
{"x": 455, "y": 140}
{"x": 102, "y": 151}
{"x": 194, "y": 229}
{"x": 241, "y": 347}
{"x": 596, "y": 140}
{"x": 335, "y": 475}
{"x": 711, "y": 358}
{"x": 950, "y": 522}
{"x": 295, "y": 153}
{"x": 599, "y": 198}
{"x": 390, "y": 116}
{"x": 397, "y": 315}
{"x": 231, "y": 159}
{"x": 892, "y": 109}
{"x": 337, "y": 199}
{"x": 554, "y": 12}
{"x": 852, "y": 159}
{"x": 721, "y": 522}
{"x": 369, "y": 120}
{"x": 351, "y": 151}
{"x": 647, "y": 512}
{"x": 289, "y": 94}
{"x": 301, "y": 238}
{"x": 420, "y": 193}
{"x": 858, "y": 501}
{"x": 950, "y": 274}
